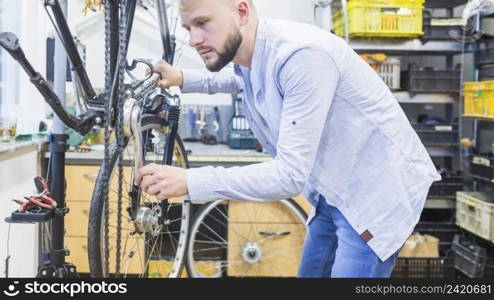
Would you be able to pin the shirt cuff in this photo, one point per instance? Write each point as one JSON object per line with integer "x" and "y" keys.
{"x": 198, "y": 185}
{"x": 192, "y": 81}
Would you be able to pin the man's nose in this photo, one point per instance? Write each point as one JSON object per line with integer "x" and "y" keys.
{"x": 196, "y": 38}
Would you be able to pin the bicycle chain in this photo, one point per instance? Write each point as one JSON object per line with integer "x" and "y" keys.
{"x": 108, "y": 79}
{"x": 104, "y": 186}
{"x": 120, "y": 138}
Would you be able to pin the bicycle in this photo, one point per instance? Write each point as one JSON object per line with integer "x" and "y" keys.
{"x": 132, "y": 237}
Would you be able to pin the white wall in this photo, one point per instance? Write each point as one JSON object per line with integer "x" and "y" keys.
{"x": 30, "y": 27}
{"x": 295, "y": 10}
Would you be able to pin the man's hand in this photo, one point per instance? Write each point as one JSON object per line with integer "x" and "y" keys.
{"x": 170, "y": 75}
{"x": 163, "y": 181}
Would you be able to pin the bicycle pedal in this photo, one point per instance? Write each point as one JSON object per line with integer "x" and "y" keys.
{"x": 40, "y": 216}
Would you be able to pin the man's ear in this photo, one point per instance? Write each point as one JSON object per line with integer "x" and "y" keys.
{"x": 244, "y": 10}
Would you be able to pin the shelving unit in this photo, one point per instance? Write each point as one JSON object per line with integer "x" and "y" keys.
{"x": 449, "y": 154}
{"x": 408, "y": 47}
{"x": 467, "y": 212}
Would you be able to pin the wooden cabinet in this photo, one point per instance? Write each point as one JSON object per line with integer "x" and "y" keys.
{"x": 252, "y": 219}
{"x": 80, "y": 185}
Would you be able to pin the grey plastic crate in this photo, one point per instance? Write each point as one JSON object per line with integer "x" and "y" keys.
{"x": 446, "y": 188}
{"x": 431, "y": 81}
{"x": 470, "y": 259}
{"x": 486, "y": 73}
{"x": 441, "y": 28}
{"x": 489, "y": 268}
{"x": 484, "y": 53}
{"x": 438, "y": 134}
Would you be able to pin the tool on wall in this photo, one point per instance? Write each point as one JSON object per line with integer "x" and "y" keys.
{"x": 239, "y": 135}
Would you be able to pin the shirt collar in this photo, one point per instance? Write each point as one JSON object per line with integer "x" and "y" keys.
{"x": 258, "y": 48}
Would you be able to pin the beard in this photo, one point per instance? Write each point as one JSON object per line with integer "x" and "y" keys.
{"x": 230, "y": 50}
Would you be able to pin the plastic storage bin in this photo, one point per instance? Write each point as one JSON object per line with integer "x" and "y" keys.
{"x": 479, "y": 98}
{"x": 486, "y": 73}
{"x": 475, "y": 213}
{"x": 411, "y": 267}
{"x": 390, "y": 73}
{"x": 442, "y": 28}
{"x": 440, "y": 134}
{"x": 388, "y": 68}
{"x": 482, "y": 166}
{"x": 381, "y": 18}
{"x": 446, "y": 188}
{"x": 428, "y": 80}
{"x": 484, "y": 53}
{"x": 470, "y": 259}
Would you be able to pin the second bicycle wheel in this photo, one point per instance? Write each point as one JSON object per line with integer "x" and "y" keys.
{"x": 246, "y": 239}
{"x": 153, "y": 238}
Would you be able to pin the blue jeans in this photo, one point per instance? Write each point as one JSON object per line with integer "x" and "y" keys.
{"x": 334, "y": 249}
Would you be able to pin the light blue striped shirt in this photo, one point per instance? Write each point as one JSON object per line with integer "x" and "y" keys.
{"x": 333, "y": 128}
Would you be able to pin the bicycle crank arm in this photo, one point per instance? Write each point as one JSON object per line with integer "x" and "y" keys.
{"x": 81, "y": 124}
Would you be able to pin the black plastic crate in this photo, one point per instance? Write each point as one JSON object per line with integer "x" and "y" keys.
{"x": 415, "y": 267}
{"x": 470, "y": 259}
{"x": 438, "y": 134}
{"x": 489, "y": 269}
{"x": 428, "y": 80}
{"x": 446, "y": 188}
{"x": 486, "y": 73}
{"x": 441, "y": 28}
{"x": 484, "y": 53}
{"x": 444, "y": 231}
{"x": 482, "y": 166}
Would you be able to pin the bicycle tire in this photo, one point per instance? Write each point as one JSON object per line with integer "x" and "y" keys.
{"x": 96, "y": 217}
{"x": 220, "y": 261}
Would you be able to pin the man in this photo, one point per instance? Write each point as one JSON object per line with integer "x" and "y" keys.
{"x": 332, "y": 125}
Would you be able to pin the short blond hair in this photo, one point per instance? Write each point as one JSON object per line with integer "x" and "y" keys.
{"x": 180, "y": 6}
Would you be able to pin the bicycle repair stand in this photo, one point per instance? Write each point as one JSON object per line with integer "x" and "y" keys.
{"x": 54, "y": 266}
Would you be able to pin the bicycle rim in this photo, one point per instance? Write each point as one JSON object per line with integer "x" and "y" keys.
{"x": 154, "y": 244}
{"x": 246, "y": 239}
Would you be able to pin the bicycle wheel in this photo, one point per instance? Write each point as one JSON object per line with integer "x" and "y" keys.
{"x": 153, "y": 243}
{"x": 246, "y": 239}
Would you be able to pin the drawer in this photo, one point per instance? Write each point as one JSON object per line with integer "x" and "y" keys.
{"x": 262, "y": 212}
{"x": 81, "y": 181}
{"x": 76, "y": 223}
{"x": 280, "y": 255}
{"x": 79, "y": 255}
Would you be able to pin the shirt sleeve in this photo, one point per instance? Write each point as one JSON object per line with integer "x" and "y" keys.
{"x": 203, "y": 81}
{"x": 308, "y": 80}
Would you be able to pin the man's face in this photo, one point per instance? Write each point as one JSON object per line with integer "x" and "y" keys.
{"x": 213, "y": 31}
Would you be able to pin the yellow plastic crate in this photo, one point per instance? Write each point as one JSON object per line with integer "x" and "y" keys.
{"x": 381, "y": 18}
{"x": 475, "y": 213}
{"x": 479, "y": 98}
